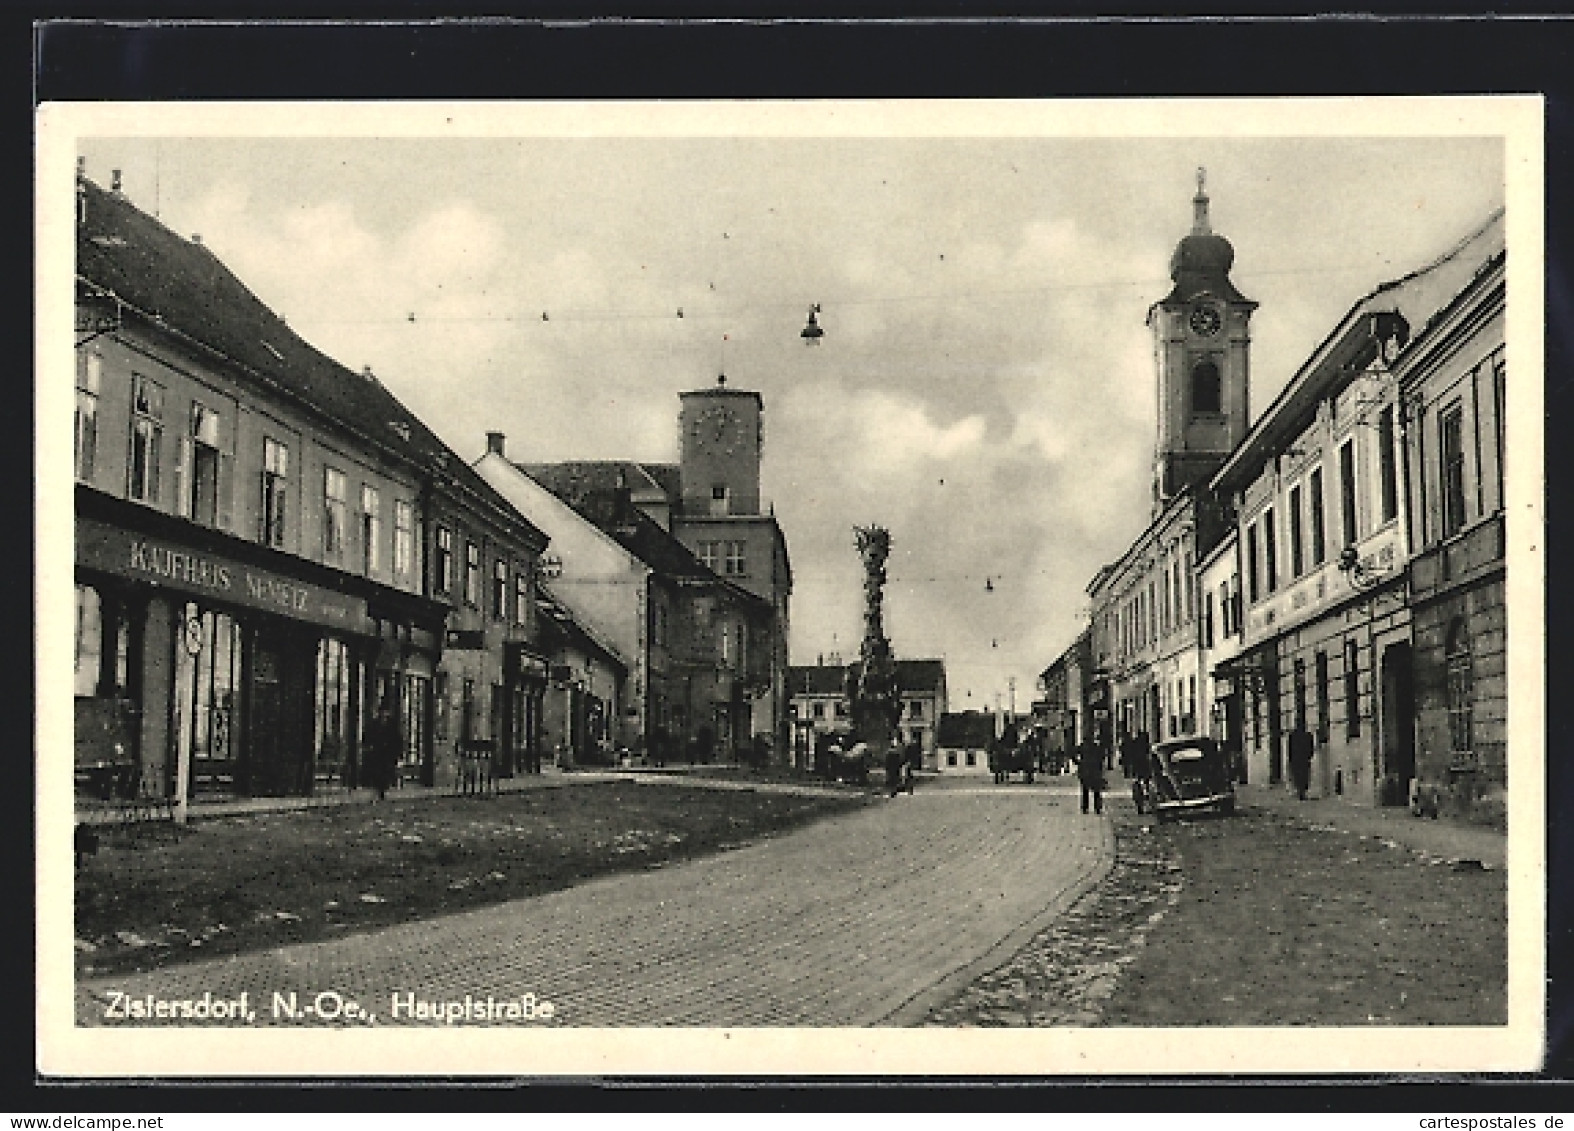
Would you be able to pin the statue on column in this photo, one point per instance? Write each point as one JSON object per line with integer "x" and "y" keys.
{"x": 872, "y": 692}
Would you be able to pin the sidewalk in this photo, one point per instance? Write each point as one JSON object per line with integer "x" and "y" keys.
{"x": 1439, "y": 839}
{"x": 703, "y": 776}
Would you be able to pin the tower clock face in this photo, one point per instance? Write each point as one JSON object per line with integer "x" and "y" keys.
{"x": 1204, "y": 320}
{"x": 717, "y": 426}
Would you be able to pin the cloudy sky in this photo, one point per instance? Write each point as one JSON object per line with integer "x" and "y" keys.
{"x": 984, "y": 387}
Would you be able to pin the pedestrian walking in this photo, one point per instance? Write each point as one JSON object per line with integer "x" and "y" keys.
{"x": 382, "y": 749}
{"x": 1301, "y": 759}
{"x": 1090, "y": 774}
{"x": 895, "y": 761}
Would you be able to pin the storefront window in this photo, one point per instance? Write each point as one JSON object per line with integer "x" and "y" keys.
{"x": 103, "y": 646}
{"x": 211, "y": 646}
{"x": 332, "y": 715}
{"x": 89, "y": 641}
{"x": 415, "y": 721}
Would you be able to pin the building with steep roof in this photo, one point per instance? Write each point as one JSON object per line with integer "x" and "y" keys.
{"x": 697, "y": 645}
{"x": 820, "y": 707}
{"x": 710, "y": 502}
{"x": 1144, "y": 605}
{"x": 1322, "y": 514}
{"x": 269, "y": 545}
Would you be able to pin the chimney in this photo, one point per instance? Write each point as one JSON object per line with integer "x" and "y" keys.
{"x": 81, "y": 167}
{"x": 494, "y": 443}
{"x": 196, "y": 238}
{"x": 114, "y": 181}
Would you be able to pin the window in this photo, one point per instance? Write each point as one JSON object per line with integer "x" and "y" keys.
{"x": 915, "y": 709}
{"x": 708, "y": 554}
{"x": 522, "y": 599}
{"x": 371, "y": 529}
{"x": 499, "y": 589}
{"x": 1460, "y": 691}
{"x": 972, "y": 757}
{"x": 1188, "y": 584}
{"x": 445, "y": 560}
{"x": 718, "y": 499}
{"x": 1300, "y": 692}
{"x": 1191, "y": 704}
{"x": 332, "y": 716}
{"x": 1297, "y": 562}
{"x": 733, "y": 565}
{"x": 472, "y": 573}
{"x": 1352, "y": 690}
{"x": 1347, "y": 493}
{"x": 950, "y": 757}
{"x": 819, "y": 710}
{"x": 1205, "y": 388}
{"x": 1321, "y": 670}
{"x": 333, "y": 512}
{"x": 275, "y": 489}
{"x": 147, "y": 436}
{"x": 841, "y": 709}
{"x": 1315, "y": 487}
{"x": 1385, "y": 463}
{"x": 1269, "y": 556}
{"x": 1153, "y": 611}
{"x": 204, "y": 491}
{"x": 1251, "y": 562}
{"x": 1451, "y": 445}
{"x": 103, "y": 646}
{"x": 404, "y": 539}
{"x": 85, "y": 445}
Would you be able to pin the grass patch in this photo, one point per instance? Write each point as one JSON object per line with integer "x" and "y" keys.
{"x": 161, "y": 894}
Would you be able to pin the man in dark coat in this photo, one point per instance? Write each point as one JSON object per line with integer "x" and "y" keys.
{"x": 1090, "y": 773}
{"x": 1301, "y": 759}
{"x": 895, "y": 760}
{"x": 382, "y": 749}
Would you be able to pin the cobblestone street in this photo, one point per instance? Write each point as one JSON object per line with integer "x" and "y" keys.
{"x": 867, "y": 919}
{"x": 1284, "y": 915}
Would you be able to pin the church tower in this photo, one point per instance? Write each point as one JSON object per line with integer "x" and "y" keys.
{"x": 722, "y": 437}
{"x": 1201, "y": 341}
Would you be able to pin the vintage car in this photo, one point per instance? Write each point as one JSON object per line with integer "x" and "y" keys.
{"x": 1190, "y": 773}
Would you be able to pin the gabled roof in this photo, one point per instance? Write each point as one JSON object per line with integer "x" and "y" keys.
{"x": 613, "y": 513}
{"x": 575, "y": 479}
{"x": 1415, "y": 298}
{"x": 912, "y": 676}
{"x": 965, "y": 729}
{"x": 182, "y": 288}
{"x": 816, "y": 679}
{"x": 560, "y": 626}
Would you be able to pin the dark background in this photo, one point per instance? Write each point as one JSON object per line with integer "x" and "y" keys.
{"x": 141, "y": 51}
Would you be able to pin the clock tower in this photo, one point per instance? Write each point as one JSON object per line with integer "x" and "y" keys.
{"x": 720, "y": 448}
{"x": 1201, "y": 344}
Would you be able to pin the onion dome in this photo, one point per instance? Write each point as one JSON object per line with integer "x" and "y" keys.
{"x": 1202, "y": 260}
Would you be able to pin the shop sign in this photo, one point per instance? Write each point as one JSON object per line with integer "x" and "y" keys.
{"x": 126, "y": 554}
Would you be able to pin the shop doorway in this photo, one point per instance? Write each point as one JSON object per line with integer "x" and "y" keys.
{"x": 280, "y": 734}
{"x": 1398, "y": 725}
